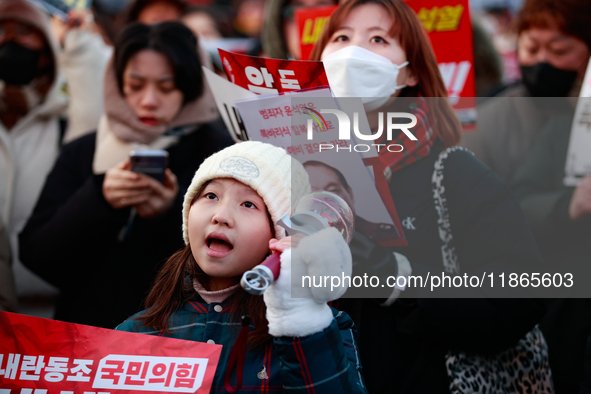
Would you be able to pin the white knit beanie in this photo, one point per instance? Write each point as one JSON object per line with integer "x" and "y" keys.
{"x": 270, "y": 171}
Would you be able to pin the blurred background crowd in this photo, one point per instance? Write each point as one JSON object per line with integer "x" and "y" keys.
{"x": 54, "y": 91}
{"x": 78, "y": 50}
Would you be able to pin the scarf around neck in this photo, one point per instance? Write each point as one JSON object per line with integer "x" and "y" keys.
{"x": 413, "y": 151}
{"x": 120, "y": 131}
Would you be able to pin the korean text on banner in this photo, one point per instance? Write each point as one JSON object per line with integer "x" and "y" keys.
{"x": 450, "y": 30}
{"x": 310, "y": 22}
{"x": 50, "y": 356}
{"x": 272, "y": 76}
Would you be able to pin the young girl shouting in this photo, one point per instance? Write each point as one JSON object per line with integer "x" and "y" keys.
{"x": 229, "y": 216}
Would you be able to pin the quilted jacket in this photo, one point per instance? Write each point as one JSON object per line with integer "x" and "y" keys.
{"x": 325, "y": 362}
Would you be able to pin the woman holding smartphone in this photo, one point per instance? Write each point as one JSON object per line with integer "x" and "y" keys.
{"x": 379, "y": 51}
{"x": 99, "y": 230}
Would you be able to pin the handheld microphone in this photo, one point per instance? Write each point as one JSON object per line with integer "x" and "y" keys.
{"x": 314, "y": 212}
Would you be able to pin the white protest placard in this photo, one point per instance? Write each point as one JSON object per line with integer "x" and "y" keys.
{"x": 578, "y": 159}
{"x": 224, "y": 94}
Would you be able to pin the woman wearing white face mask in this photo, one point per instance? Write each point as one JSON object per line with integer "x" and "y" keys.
{"x": 377, "y": 49}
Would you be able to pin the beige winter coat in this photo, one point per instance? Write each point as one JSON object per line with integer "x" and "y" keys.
{"x": 83, "y": 61}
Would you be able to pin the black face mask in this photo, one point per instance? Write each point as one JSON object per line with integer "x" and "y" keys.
{"x": 18, "y": 65}
{"x": 545, "y": 80}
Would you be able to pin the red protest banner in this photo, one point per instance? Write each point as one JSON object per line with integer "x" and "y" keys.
{"x": 310, "y": 22}
{"x": 272, "y": 76}
{"x": 50, "y": 356}
{"x": 450, "y": 30}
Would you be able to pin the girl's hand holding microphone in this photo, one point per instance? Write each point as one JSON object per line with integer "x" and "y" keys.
{"x": 318, "y": 255}
{"x": 124, "y": 188}
{"x": 282, "y": 245}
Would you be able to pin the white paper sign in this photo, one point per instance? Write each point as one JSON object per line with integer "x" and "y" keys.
{"x": 224, "y": 94}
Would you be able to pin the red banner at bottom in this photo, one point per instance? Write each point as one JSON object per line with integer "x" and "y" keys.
{"x": 42, "y": 356}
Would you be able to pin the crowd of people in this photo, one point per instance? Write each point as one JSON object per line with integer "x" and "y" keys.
{"x": 85, "y": 239}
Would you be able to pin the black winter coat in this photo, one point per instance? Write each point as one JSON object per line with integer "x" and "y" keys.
{"x": 403, "y": 346}
{"x": 103, "y": 263}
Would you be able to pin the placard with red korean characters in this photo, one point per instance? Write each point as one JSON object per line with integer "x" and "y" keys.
{"x": 272, "y": 76}
{"x": 42, "y": 356}
{"x": 448, "y": 25}
{"x": 311, "y": 22}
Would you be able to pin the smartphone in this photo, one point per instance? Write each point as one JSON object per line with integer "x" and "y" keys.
{"x": 149, "y": 162}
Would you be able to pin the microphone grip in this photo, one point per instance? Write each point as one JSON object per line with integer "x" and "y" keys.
{"x": 256, "y": 280}
{"x": 273, "y": 262}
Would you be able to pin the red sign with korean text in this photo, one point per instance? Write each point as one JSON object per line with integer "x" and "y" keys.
{"x": 42, "y": 356}
{"x": 450, "y": 30}
{"x": 310, "y": 22}
{"x": 272, "y": 76}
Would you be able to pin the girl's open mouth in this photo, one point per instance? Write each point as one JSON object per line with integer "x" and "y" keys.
{"x": 218, "y": 245}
